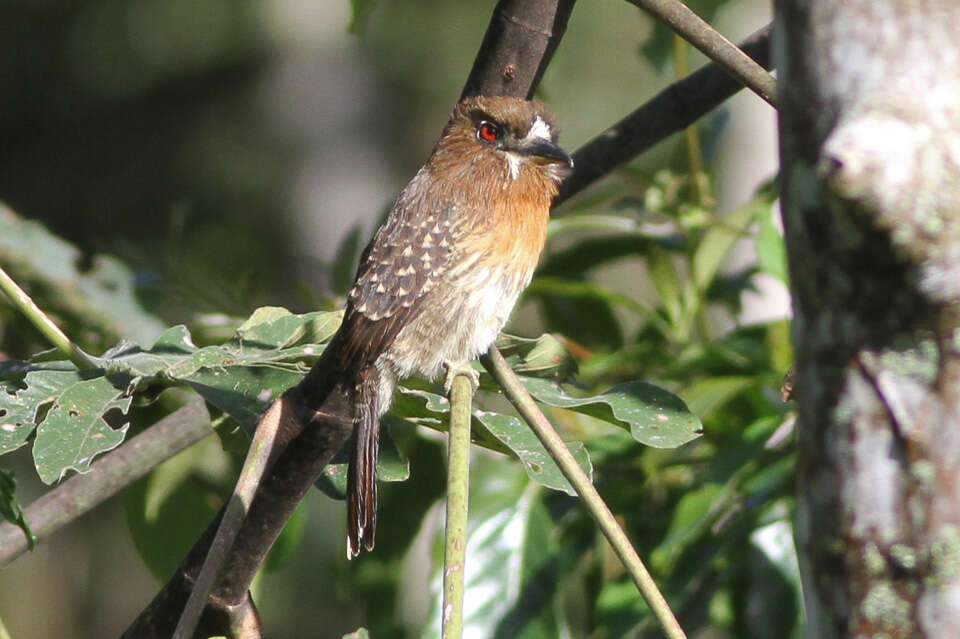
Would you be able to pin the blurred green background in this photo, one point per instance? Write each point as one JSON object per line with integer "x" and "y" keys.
{"x": 225, "y": 150}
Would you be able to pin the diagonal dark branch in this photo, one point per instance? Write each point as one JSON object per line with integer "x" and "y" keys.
{"x": 670, "y": 111}
{"x": 694, "y": 30}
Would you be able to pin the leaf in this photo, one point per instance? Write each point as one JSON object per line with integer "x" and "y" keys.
{"x": 545, "y": 356}
{"x": 717, "y": 243}
{"x": 19, "y": 406}
{"x": 509, "y": 434}
{"x": 10, "y": 508}
{"x": 540, "y": 466}
{"x": 771, "y": 250}
{"x": 74, "y": 430}
{"x": 104, "y": 296}
{"x": 690, "y": 517}
{"x": 654, "y": 416}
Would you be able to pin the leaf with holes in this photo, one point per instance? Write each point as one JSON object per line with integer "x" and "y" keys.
{"x": 654, "y": 416}
{"x": 74, "y": 430}
{"x": 21, "y": 404}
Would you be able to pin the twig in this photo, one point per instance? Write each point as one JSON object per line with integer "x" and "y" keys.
{"x": 458, "y": 491}
{"x": 670, "y": 111}
{"x": 254, "y": 467}
{"x": 525, "y": 404}
{"x": 108, "y": 476}
{"x": 43, "y": 323}
{"x": 704, "y": 37}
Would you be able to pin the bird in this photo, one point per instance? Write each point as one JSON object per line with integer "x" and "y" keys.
{"x": 441, "y": 276}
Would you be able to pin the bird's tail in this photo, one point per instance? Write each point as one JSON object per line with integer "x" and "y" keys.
{"x": 362, "y": 476}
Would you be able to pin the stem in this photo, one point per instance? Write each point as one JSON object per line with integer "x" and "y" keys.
{"x": 254, "y": 467}
{"x": 43, "y": 323}
{"x": 458, "y": 490}
{"x": 708, "y": 40}
{"x": 494, "y": 362}
{"x": 108, "y": 476}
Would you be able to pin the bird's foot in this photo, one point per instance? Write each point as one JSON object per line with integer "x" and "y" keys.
{"x": 463, "y": 368}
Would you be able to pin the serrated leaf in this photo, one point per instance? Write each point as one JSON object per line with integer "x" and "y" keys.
{"x": 19, "y": 406}
{"x": 653, "y": 416}
{"x": 74, "y": 431}
{"x": 10, "y": 508}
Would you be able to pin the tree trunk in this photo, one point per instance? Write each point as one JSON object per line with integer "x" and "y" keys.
{"x": 870, "y": 153}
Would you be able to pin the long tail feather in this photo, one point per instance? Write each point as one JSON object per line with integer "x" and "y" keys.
{"x": 362, "y": 476}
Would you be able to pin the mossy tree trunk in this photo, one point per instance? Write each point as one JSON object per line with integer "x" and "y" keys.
{"x": 870, "y": 151}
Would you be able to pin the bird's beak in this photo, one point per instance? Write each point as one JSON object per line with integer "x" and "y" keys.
{"x": 544, "y": 151}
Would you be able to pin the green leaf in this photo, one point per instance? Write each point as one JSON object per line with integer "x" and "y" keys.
{"x": 691, "y": 516}
{"x": 74, "y": 430}
{"x": 771, "y": 250}
{"x": 503, "y": 433}
{"x": 20, "y": 404}
{"x": 10, "y": 508}
{"x": 540, "y": 466}
{"x": 545, "y": 356}
{"x": 663, "y": 274}
{"x": 653, "y": 416}
{"x": 717, "y": 243}
{"x": 103, "y": 296}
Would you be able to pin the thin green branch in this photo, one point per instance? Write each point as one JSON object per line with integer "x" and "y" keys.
{"x": 458, "y": 491}
{"x": 708, "y": 40}
{"x": 525, "y": 404}
{"x": 108, "y": 476}
{"x": 44, "y": 324}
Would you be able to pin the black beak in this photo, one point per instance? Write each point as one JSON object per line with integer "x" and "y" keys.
{"x": 546, "y": 152}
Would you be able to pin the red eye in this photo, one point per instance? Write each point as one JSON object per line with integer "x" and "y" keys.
{"x": 488, "y": 132}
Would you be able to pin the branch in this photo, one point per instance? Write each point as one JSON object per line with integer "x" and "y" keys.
{"x": 670, "y": 111}
{"x": 494, "y": 362}
{"x": 709, "y": 41}
{"x": 519, "y": 44}
{"x": 306, "y": 440}
{"x": 43, "y": 323}
{"x": 108, "y": 475}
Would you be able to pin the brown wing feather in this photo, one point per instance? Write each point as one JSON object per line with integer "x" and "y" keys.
{"x": 402, "y": 264}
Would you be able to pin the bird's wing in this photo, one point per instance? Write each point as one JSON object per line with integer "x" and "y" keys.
{"x": 399, "y": 267}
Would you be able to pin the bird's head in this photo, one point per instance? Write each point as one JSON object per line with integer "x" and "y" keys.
{"x": 502, "y": 138}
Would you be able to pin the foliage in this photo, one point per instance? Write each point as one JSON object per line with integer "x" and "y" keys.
{"x": 678, "y": 421}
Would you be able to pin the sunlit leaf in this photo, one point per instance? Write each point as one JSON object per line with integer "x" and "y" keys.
{"x": 652, "y": 415}
{"x": 74, "y": 431}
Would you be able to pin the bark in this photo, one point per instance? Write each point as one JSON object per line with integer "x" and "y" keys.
{"x": 870, "y": 152}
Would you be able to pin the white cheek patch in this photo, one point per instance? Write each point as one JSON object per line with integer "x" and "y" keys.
{"x": 540, "y": 129}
